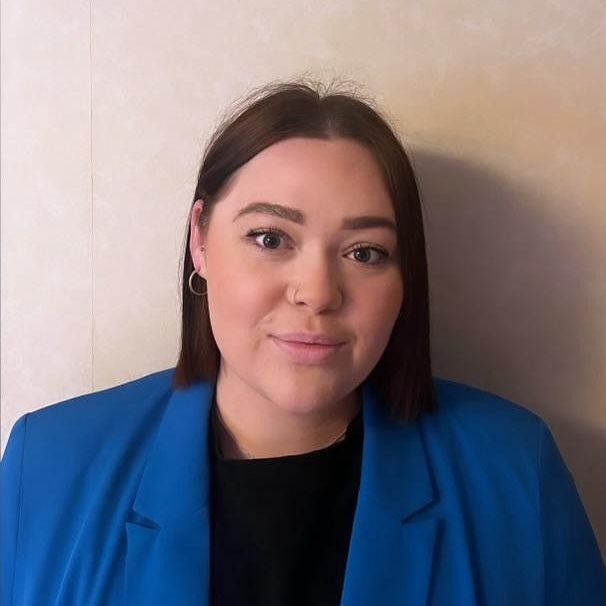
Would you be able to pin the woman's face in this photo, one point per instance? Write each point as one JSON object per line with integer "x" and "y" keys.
{"x": 305, "y": 276}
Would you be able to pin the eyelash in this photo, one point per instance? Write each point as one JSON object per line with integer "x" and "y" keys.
{"x": 253, "y": 234}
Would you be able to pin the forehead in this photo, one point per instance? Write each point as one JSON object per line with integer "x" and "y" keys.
{"x": 337, "y": 176}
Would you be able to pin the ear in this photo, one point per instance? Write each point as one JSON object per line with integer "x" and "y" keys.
{"x": 197, "y": 239}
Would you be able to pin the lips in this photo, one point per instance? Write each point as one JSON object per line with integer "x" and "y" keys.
{"x": 309, "y": 338}
{"x": 307, "y": 353}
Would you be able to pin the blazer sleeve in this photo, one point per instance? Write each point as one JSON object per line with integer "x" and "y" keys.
{"x": 574, "y": 572}
{"x": 10, "y": 506}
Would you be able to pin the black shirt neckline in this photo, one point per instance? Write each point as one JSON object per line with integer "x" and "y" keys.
{"x": 352, "y": 438}
{"x": 280, "y": 527}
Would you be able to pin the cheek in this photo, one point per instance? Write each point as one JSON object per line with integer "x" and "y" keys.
{"x": 238, "y": 301}
{"x": 378, "y": 312}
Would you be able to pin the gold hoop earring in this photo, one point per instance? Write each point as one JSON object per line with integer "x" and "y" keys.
{"x": 191, "y": 288}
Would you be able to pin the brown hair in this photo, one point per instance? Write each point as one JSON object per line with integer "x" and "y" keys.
{"x": 281, "y": 110}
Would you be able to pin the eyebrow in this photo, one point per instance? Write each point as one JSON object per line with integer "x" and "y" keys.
{"x": 296, "y": 216}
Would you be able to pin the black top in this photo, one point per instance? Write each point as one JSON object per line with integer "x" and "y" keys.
{"x": 280, "y": 527}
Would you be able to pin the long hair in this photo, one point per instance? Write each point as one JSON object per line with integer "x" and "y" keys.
{"x": 281, "y": 110}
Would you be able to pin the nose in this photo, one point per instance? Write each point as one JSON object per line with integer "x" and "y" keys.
{"x": 317, "y": 285}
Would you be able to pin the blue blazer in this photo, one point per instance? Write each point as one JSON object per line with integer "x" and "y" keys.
{"x": 105, "y": 502}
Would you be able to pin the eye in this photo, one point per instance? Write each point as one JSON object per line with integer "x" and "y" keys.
{"x": 270, "y": 240}
{"x": 363, "y": 252}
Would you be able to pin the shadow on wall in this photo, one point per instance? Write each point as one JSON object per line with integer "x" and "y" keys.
{"x": 514, "y": 305}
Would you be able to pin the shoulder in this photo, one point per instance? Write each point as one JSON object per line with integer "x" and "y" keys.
{"x": 85, "y": 451}
{"x": 76, "y": 461}
{"x": 477, "y": 421}
{"x": 112, "y": 407}
{"x": 80, "y": 424}
{"x": 468, "y": 404}
{"x": 502, "y": 458}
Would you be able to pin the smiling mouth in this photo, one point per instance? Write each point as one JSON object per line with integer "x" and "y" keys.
{"x": 307, "y": 353}
{"x": 302, "y": 337}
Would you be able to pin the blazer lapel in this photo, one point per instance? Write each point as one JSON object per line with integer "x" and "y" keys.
{"x": 167, "y": 558}
{"x": 393, "y": 535}
{"x": 394, "y": 532}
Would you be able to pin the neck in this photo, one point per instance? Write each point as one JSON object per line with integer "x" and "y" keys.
{"x": 262, "y": 429}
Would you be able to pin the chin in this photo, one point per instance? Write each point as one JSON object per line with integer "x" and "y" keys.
{"x": 306, "y": 398}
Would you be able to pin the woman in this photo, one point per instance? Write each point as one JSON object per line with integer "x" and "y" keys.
{"x": 301, "y": 451}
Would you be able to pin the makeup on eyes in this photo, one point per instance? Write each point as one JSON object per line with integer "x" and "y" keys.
{"x": 253, "y": 234}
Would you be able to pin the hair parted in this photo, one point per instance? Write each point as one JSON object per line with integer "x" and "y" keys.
{"x": 305, "y": 108}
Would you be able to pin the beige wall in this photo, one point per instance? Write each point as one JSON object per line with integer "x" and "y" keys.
{"x": 105, "y": 109}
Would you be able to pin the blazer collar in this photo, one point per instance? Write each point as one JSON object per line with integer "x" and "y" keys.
{"x": 391, "y": 548}
{"x": 175, "y": 479}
